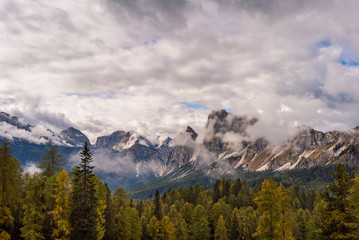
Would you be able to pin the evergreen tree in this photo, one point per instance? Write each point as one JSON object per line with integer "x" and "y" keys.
{"x": 51, "y": 163}
{"x": 109, "y": 216}
{"x": 246, "y": 222}
{"x": 178, "y": 223}
{"x": 199, "y": 224}
{"x": 129, "y": 225}
{"x": 221, "y": 230}
{"x": 158, "y": 212}
{"x": 84, "y": 215}
{"x": 272, "y": 214}
{"x": 302, "y": 219}
{"x": 153, "y": 228}
{"x": 6, "y": 221}
{"x": 354, "y": 201}
{"x": 61, "y": 212}
{"x": 10, "y": 189}
{"x": 186, "y": 212}
{"x": 338, "y": 220}
{"x": 33, "y": 209}
{"x": 286, "y": 222}
{"x": 101, "y": 207}
{"x": 50, "y": 188}
{"x": 166, "y": 229}
{"x": 234, "y": 226}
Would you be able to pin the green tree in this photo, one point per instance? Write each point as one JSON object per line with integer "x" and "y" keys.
{"x": 199, "y": 224}
{"x": 221, "y": 230}
{"x": 158, "y": 212}
{"x": 129, "y": 225}
{"x": 354, "y": 201}
{"x": 10, "y": 189}
{"x": 153, "y": 228}
{"x": 166, "y": 229}
{"x": 272, "y": 210}
{"x": 101, "y": 192}
{"x": 246, "y": 222}
{"x": 179, "y": 224}
{"x": 51, "y": 163}
{"x": 84, "y": 215}
{"x": 109, "y": 216}
{"x": 186, "y": 211}
{"x": 61, "y": 212}
{"x": 338, "y": 220}
{"x": 33, "y": 208}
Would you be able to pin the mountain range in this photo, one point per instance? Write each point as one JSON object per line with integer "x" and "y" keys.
{"x": 224, "y": 147}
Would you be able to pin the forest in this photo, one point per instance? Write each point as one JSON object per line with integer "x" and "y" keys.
{"x": 56, "y": 204}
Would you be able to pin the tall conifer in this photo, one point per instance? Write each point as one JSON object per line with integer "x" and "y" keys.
{"x": 84, "y": 214}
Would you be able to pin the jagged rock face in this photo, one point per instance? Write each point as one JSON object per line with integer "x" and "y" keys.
{"x": 220, "y": 123}
{"x": 193, "y": 134}
{"x": 179, "y": 156}
{"x": 164, "y": 149}
{"x": 306, "y": 149}
{"x": 13, "y": 120}
{"x": 111, "y": 141}
{"x": 134, "y": 146}
{"x": 74, "y": 137}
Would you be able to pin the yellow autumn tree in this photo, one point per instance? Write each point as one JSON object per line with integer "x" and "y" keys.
{"x": 62, "y": 210}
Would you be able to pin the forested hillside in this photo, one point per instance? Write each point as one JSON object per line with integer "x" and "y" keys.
{"x": 55, "y": 204}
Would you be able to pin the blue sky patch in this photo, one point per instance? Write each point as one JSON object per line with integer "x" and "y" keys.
{"x": 349, "y": 62}
{"x": 349, "y": 57}
{"x": 325, "y": 43}
{"x": 194, "y": 105}
{"x": 104, "y": 95}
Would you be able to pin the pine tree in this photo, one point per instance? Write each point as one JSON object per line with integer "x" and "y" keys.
{"x": 158, "y": 212}
{"x": 129, "y": 225}
{"x": 61, "y": 212}
{"x": 83, "y": 217}
{"x": 221, "y": 230}
{"x": 101, "y": 192}
{"x": 246, "y": 223}
{"x": 166, "y": 229}
{"x": 286, "y": 214}
{"x": 199, "y": 224}
{"x": 50, "y": 188}
{"x": 33, "y": 209}
{"x": 234, "y": 226}
{"x": 6, "y": 221}
{"x": 269, "y": 211}
{"x": 153, "y": 228}
{"x": 178, "y": 223}
{"x": 51, "y": 163}
{"x": 354, "y": 201}
{"x": 10, "y": 189}
{"x": 338, "y": 220}
{"x": 109, "y": 216}
{"x": 186, "y": 211}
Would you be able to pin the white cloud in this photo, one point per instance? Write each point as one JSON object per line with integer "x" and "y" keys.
{"x": 31, "y": 168}
{"x": 107, "y": 65}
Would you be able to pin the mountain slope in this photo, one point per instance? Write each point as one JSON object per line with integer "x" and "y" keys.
{"x": 226, "y": 149}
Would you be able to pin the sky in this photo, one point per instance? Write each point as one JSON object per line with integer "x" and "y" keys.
{"x": 157, "y": 66}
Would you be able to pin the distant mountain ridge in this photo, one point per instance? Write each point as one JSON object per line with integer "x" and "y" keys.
{"x": 225, "y": 147}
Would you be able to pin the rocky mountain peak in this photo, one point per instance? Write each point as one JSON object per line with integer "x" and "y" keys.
{"x": 74, "y": 137}
{"x": 14, "y": 120}
{"x": 192, "y": 132}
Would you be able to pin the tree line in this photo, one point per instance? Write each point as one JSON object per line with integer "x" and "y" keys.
{"x": 55, "y": 204}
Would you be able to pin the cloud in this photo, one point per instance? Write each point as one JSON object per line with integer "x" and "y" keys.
{"x": 110, "y": 65}
{"x": 31, "y": 168}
